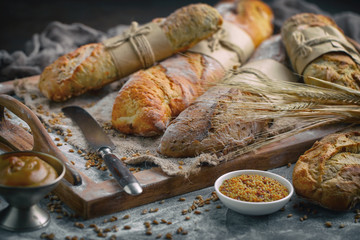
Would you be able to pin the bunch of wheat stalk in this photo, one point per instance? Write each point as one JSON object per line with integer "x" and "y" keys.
{"x": 304, "y": 106}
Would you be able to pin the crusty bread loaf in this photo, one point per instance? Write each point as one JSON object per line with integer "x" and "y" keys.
{"x": 334, "y": 67}
{"x": 210, "y": 125}
{"x": 152, "y": 97}
{"x": 329, "y": 172}
{"x": 253, "y": 16}
{"x": 91, "y": 66}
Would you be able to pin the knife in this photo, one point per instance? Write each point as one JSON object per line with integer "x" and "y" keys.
{"x": 101, "y": 143}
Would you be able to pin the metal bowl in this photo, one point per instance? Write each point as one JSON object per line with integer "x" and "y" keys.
{"x": 254, "y": 208}
{"x": 23, "y": 212}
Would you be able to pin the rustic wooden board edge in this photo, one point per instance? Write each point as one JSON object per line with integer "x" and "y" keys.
{"x": 158, "y": 186}
{"x": 8, "y": 87}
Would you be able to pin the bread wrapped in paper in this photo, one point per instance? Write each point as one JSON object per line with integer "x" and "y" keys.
{"x": 153, "y": 97}
{"x": 320, "y": 52}
{"x": 94, "y": 65}
{"x": 218, "y": 121}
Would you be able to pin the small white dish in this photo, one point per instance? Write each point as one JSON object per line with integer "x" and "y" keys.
{"x": 253, "y": 208}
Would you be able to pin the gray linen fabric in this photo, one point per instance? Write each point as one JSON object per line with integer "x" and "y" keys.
{"x": 58, "y": 39}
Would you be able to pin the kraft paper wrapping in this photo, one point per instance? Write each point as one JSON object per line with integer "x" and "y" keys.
{"x": 265, "y": 70}
{"x": 230, "y": 46}
{"x": 139, "y": 47}
{"x": 305, "y": 45}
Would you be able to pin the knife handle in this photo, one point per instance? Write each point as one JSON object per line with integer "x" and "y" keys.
{"x": 120, "y": 172}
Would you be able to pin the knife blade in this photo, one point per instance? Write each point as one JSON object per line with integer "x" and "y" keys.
{"x": 102, "y": 144}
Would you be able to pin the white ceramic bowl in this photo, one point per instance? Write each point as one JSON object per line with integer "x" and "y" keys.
{"x": 253, "y": 208}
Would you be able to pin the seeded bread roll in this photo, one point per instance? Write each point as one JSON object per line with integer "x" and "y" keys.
{"x": 153, "y": 97}
{"x": 335, "y": 67}
{"x": 91, "y": 66}
{"x": 329, "y": 172}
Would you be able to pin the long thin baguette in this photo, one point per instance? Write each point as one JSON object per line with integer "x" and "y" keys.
{"x": 334, "y": 67}
{"x": 208, "y": 125}
{"x": 91, "y": 66}
{"x": 152, "y": 97}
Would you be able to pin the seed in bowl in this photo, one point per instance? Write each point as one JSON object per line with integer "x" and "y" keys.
{"x": 253, "y": 188}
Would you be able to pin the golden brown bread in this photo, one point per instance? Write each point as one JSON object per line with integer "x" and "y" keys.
{"x": 213, "y": 123}
{"x": 253, "y": 16}
{"x": 152, "y": 97}
{"x": 329, "y": 172}
{"x": 91, "y": 66}
{"x": 334, "y": 67}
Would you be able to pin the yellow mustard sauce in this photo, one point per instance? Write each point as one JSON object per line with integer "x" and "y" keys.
{"x": 25, "y": 171}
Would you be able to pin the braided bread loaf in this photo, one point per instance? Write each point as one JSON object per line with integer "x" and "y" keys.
{"x": 91, "y": 66}
{"x": 152, "y": 97}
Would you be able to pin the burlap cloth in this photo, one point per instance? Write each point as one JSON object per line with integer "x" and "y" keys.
{"x": 99, "y": 104}
{"x": 58, "y": 39}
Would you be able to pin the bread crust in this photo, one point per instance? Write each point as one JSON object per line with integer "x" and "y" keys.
{"x": 178, "y": 81}
{"x": 209, "y": 125}
{"x": 329, "y": 172}
{"x": 204, "y": 127}
{"x": 334, "y": 67}
{"x": 91, "y": 67}
{"x": 148, "y": 101}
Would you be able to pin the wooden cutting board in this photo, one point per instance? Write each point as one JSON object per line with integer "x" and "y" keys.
{"x": 97, "y": 198}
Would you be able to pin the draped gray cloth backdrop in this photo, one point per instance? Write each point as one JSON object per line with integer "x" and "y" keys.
{"x": 58, "y": 38}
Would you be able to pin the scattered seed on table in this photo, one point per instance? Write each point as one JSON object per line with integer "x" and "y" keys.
{"x": 182, "y": 199}
{"x": 92, "y": 225}
{"x": 328, "y": 224}
{"x": 79, "y": 225}
{"x": 289, "y": 215}
{"x": 152, "y": 210}
{"x": 101, "y": 234}
{"x": 158, "y": 236}
{"x": 179, "y": 230}
{"x": 155, "y": 222}
{"x": 342, "y": 225}
{"x": 187, "y": 218}
{"x": 197, "y": 212}
{"x": 127, "y": 227}
{"x": 168, "y": 236}
{"x": 126, "y": 216}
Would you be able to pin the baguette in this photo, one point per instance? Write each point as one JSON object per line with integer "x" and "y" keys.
{"x": 329, "y": 172}
{"x": 334, "y": 66}
{"x": 209, "y": 125}
{"x": 91, "y": 66}
{"x": 152, "y": 97}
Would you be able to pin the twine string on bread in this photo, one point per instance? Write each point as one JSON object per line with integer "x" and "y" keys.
{"x": 305, "y": 47}
{"x": 219, "y": 39}
{"x": 237, "y": 70}
{"x": 136, "y": 36}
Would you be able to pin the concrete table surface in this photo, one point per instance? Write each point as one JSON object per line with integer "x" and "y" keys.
{"x": 299, "y": 220}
